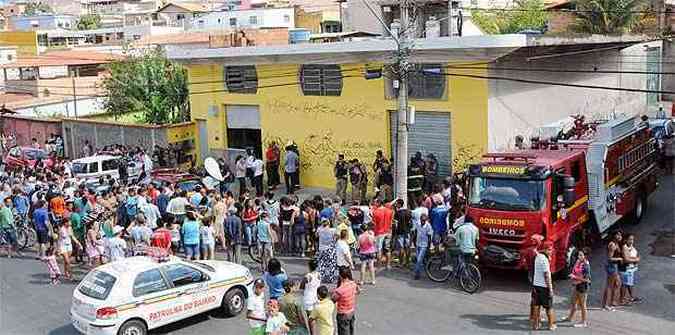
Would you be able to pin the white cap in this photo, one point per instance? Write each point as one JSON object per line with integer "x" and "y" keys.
{"x": 117, "y": 230}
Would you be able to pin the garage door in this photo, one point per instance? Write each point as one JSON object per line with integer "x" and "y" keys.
{"x": 429, "y": 134}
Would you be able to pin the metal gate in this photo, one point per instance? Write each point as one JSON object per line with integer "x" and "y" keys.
{"x": 429, "y": 134}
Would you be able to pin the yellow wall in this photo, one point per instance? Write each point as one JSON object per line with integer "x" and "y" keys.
{"x": 25, "y": 41}
{"x": 355, "y": 123}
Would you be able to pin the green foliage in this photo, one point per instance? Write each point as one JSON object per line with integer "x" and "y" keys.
{"x": 607, "y": 16}
{"x": 37, "y": 8}
{"x": 150, "y": 86}
{"x": 526, "y": 15}
{"x": 89, "y": 21}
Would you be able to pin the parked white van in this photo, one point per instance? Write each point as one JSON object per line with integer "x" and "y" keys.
{"x": 95, "y": 167}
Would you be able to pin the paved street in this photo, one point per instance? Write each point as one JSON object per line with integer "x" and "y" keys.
{"x": 29, "y": 305}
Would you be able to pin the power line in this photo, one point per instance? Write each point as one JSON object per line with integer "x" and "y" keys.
{"x": 541, "y": 82}
{"x": 557, "y": 71}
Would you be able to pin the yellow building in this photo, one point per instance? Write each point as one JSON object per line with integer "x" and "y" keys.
{"x": 318, "y": 97}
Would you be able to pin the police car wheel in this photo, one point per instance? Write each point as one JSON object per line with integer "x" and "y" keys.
{"x": 133, "y": 327}
{"x": 234, "y": 302}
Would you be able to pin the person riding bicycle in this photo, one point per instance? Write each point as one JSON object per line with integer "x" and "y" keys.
{"x": 466, "y": 237}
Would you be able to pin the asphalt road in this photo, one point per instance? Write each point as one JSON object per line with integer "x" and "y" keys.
{"x": 400, "y": 305}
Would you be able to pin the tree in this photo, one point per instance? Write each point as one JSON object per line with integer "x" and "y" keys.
{"x": 89, "y": 21}
{"x": 525, "y": 15}
{"x": 36, "y": 8}
{"x": 149, "y": 86}
{"x": 607, "y": 16}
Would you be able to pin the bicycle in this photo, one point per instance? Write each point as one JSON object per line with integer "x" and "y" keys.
{"x": 446, "y": 263}
{"x": 26, "y": 235}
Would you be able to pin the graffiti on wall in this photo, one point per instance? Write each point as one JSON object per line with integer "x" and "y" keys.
{"x": 319, "y": 150}
{"x": 318, "y": 110}
{"x": 464, "y": 154}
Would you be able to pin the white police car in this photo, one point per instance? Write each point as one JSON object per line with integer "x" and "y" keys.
{"x": 136, "y": 294}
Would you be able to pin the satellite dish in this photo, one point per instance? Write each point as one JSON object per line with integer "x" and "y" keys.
{"x": 213, "y": 169}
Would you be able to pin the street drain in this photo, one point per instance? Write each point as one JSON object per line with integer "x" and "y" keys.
{"x": 664, "y": 245}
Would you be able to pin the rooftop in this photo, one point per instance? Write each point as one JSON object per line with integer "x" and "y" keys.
{"x": 178, "y": 38}
{"x": 467, "y": 48}
{"x": 194, "y": 7}
{"x": 63, "y": 57}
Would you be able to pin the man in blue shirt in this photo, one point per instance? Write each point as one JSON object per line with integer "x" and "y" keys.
{"x": 291, "y": 165}
{"x": 41, "y": 224}
{"x": 21, "y": 203}
{"x": 196, "y": 198}
{"x": 439, "y": 221}
{"x": 234, "y": 228}
{"x": 327, "y": 211}
{"x": 466, "y": 236}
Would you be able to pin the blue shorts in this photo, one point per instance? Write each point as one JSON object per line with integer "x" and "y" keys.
{"x": 10, "y": 236}
{"x": 192, "y": 250}
{"x": 628, "y": 277}
{"x": 402, "y": 242}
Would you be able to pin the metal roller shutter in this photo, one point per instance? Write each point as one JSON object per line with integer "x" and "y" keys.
{"x": 429, "y": 134}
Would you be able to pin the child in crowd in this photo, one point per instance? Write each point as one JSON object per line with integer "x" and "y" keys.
{"x": 321, "y": 318}
{"x": 52, "y": 265}
{"x": 207, "y": 237}
{"x": 175, "y": 237}
{"x": 256, "y": 309}
{"x": 276, "y": 321}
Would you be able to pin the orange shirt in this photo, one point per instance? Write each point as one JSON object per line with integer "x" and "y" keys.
{"x": 382, "y": 218}
{"x": 58, "y": 206}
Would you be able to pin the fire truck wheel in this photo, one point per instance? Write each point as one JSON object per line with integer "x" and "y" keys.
{"x": 639, "y": 211}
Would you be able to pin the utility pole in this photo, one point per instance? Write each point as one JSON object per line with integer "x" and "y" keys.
{"x": 74, "y": 98}
{"x": 402, "y": 117}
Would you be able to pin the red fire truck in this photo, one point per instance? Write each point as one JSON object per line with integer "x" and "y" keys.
{"x": 569, "y": 190}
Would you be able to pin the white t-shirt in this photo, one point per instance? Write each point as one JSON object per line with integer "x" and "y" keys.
{"x": 541, "y": 266}
{"x": 274, "y": 323}
{"x": 115, "y": 248}
{"x": 367, "y": 218}
{"x": 343, "y": 253}
{"x": 257, "y": 167}
{"x": 256, "y": 304}
{"x": 151, "y": 213}
{"x": 309, "y": 296}
{"x": 417, "y": 214}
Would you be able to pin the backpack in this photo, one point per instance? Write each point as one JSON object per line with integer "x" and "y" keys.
{"x": 131, "y": 207}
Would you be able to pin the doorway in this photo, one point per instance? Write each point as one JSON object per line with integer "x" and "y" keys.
{"x": 243, "y": 128}
{"x": 238, "y": 138}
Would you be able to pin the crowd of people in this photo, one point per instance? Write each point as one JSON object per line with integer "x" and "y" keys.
{"x": 76, "y": 223}
{"x": 621, "y": 270}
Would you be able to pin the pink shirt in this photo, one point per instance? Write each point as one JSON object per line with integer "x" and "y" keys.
{"x": 345, "y": 297}
{"x": 366, "y": 244}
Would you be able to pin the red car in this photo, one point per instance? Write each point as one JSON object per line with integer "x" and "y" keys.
{"x": 184, "y": 181}
{"x": 24, "y": 156}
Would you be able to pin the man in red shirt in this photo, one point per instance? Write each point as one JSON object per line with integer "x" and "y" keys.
{"x": 382, "y": 219}
{"x": 272, "y": 164}
{"x": 345, "y": 299}
{"x": 161, "y": 238}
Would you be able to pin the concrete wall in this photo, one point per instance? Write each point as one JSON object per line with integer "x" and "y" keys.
{"x": 23, "y": 129}
{"x": 64, "y": 108}
{"x": 357, "y": 17}
{"x": 517, "y": 108}
{"x": 668, "y": 65}
{"x": 100, "y": 134}
{"x": 265, "y": 18}
{"x": 42, "y": 22}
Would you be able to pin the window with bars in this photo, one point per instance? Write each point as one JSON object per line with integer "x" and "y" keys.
{"x": 425, "y": 81}
{"x": 321, "y": 80}
{"x": 241, "y": 79}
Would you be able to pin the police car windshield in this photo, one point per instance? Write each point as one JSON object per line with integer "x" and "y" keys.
{"x": 507, "y": 194}
{"x": 97, "y": 285}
